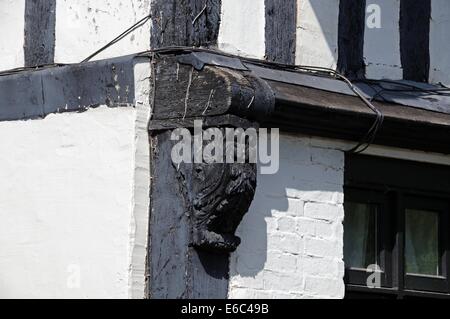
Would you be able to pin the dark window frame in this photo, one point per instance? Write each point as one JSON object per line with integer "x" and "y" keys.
{"x": 384, "y": 259}
{"x": 382, "y": 183}
{"x": 433, "y": 284}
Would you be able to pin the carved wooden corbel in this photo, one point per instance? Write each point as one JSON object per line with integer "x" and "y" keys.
{"x": 196, "y": 208}
{"x": 223, "y": 195}
{"x": 218, "y": 196}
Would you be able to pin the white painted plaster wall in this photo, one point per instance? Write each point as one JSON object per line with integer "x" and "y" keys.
{"x": 141, "y": 198}
{"x": 242, "y": 29}
{"x": 84, "y": 26}
{"x": 292, "y": 238}
{"x": 66, "y": 205}
{"x": 382, "y": 45}
{"x": 12, "y": 22}
{"x": 317, "y": 33}
{"x": 440, "y": 42}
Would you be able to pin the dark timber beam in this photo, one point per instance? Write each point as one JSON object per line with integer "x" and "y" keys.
{"x": 223, "y": 90}
{"x": 195, "y": 211}
{"x": 281, "y": 30}
{"x": 351, "y": 38}
{"x": 415, "y": 18}
{"x": 73, "y": 88}
{"x": 185, "y": 23}
{"x": 40, "y": 19}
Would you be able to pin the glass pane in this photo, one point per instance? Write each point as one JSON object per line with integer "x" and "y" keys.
{"x": 360, "y": 248}
{"x": 422, "y": 243}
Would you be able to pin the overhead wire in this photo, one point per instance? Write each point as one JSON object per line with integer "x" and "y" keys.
{"x": 371, "y": 134}
{"x": 30, "y": 68}
{"x": 124, "y": 34}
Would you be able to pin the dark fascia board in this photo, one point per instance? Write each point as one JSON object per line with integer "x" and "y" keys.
{"x": 34, "y": 94}
{"x": 320, "y": 113}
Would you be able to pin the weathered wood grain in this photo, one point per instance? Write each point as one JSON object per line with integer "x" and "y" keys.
{"x": 185, "y": 22}
{"x": 351, "y": 38}
{"x": 183, "y": 92}
{"x": 281, "y": 27}
{"x": 40, "y": 21}
{"x": 177, "y": 270}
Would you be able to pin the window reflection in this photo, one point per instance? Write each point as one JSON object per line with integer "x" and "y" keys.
{"x": 360, "y": 244}
{"x": 422, "y": 243}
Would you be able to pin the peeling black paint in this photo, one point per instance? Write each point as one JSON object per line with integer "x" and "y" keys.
{"x": 185, "y": 23}
{"x": 72, "y": 88}
{"x": 281, "y": 30}
{"x": 351, "y": 38}
{"x": 415, "y": 19}
{"x": 40, "y": 21}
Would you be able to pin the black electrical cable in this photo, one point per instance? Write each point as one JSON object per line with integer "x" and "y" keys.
{"x": 131, "y": 29}
{"x": 371, "y": 134}
{"x": 30, "y": 68}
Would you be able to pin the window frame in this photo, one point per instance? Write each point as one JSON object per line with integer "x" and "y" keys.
{"x": 397, "y": 195}
{"x": 439, "y": 284}
{"x": 384, "y": 257}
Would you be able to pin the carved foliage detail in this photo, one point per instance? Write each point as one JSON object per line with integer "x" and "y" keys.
{"x": 223, "y": 195}
{"x": 217, "y": 198}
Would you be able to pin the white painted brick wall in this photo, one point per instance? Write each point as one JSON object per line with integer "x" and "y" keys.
{"x": 292, "y": 238}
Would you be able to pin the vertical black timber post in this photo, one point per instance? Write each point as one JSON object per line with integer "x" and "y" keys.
{"x": 185, "y": 23}
{"x": 351, "y": 38}
{"x": 281, "y": 30}
{"x": 177, "y": 269}
{"x": 168, "y": 236}
{"x": 40, "y": 20}
{"x": 415, "y": 19}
